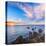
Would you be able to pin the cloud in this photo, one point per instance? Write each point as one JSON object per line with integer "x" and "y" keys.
{"x": 39, "y": 11}
{"x": 27, "y": 9}
{"x": 30, "y": 12}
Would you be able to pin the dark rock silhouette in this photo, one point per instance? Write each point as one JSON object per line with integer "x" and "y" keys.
{"x": 43, "y": 38}
{"x": 35, "y": 34}
{"x": 32, "y": 28}
{"x": 19, "y": 40}
{"x": 30, "y": 35}
{"x": 28, "y": 27}
{"x": 40, "y": 30}
{"x": 26, "y": 40}
{"x": 33, "y": 38}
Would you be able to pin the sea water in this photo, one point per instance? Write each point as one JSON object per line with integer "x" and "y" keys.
{"x": 14, "y": 31}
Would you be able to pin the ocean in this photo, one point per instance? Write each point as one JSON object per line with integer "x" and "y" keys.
{"x": 14, "y": 31}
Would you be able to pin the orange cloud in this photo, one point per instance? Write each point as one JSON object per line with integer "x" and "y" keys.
{"x": 10, "y": 23}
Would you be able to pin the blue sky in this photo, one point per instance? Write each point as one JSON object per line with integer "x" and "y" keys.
{"x": 25, "y": 12}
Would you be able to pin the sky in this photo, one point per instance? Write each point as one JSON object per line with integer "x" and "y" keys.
{"x": 25, "y": 12}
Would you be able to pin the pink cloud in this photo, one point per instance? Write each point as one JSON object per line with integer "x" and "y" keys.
{"x": 39, "y": 11}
